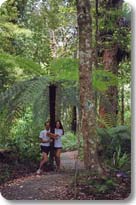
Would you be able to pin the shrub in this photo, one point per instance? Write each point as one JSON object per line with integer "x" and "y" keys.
{"x": 26, "y": 149}
{"x": 111, "y": 138}
{"x": 69, "y": 141}
{"x": 116, "y": 146}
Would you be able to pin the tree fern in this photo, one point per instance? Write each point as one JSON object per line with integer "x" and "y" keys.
{"x": 34, "y": 92}
{"x": 40, "y": 107}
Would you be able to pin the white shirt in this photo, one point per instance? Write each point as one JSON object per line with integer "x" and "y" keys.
{"x": 44, "y": 137}
{"x": 58, "y": 142}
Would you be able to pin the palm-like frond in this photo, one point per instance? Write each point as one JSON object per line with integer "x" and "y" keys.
{"x": 21, "y": 95}
{"x": 40, "y": 107}
{"x": 35, "y": 93}
{"x": 20, "y": 66}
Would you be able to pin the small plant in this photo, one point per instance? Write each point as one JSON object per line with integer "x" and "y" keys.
{"x": 95, "y": 185}
{"x": 107, "y": 186}
{"x": 119, "y": 159}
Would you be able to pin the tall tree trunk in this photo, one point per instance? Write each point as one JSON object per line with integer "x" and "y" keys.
{"x": 111, "y": 64}
{"x": 108, "y": 109}
{"x": 88, "y": 129}
{"x": 96, "y": 48}
{"x": 52, "y": 97}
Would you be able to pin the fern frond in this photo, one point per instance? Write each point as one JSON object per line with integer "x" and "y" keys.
{"x": 40, "y": 107}
{"x": 21, "y": 95}
{"x": 20, "y": 66}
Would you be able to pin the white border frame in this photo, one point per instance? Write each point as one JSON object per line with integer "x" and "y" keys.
{"x": 132, "y": 198}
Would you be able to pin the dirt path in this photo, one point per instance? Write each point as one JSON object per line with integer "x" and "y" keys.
{"x": 48, "y": 186}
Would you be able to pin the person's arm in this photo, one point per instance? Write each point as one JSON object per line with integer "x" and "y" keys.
{"x": 42, "y": 140}
{"x": 45, "y": 141}
{"x": 60, "y": 134}
{"x": 51, "y": 135}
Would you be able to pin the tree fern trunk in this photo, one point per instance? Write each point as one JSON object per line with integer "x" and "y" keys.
{"x": 58, "y": 103}
{"x": 52, "y": 98}
{"x": 74, "y": 120}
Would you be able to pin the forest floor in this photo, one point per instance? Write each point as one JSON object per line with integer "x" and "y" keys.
{"x": 62, "y": 186}
{"x": 47, "y": 186}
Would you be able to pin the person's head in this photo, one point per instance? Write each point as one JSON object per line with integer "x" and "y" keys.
{"x": 47, "y": 125}
{"x": 58, "y": 125}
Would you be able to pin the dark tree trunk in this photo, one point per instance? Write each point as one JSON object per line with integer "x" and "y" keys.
{"x": 74, "y": 120}
{"x": 52, "y": 97}
{"x": 122, "y": 105}
{"x": 58, "y": 103}
{"x": 88, "y": 129}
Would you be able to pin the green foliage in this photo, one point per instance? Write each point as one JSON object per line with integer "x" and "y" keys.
{"x": 34, "y": 92}
{"x": 27, "y": 148}
{"x": 19, "y": 67}
{"x": 114, "y": 26}
{"x": 18, "y": 39}
{"x": 103, "y": 79}
{"x": 11, "y": 35}
{"x": 69, "y": 141}
{"x": 64, "y": 69}
{"x": 124, "y": 67}
{"x": 67, "y": 69}
{"x": 116, "y": 146}
{"x": 9, "y": 11}
{"x": 119, "y": 159}
{"x": 112, "y": 137}
{"x": 22, "y": 94}
{"x": 106, "y": 186}
{"x": 29, "y": 31}
{"x": 96, "y": 185}
{"x": 23, "y": 138}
